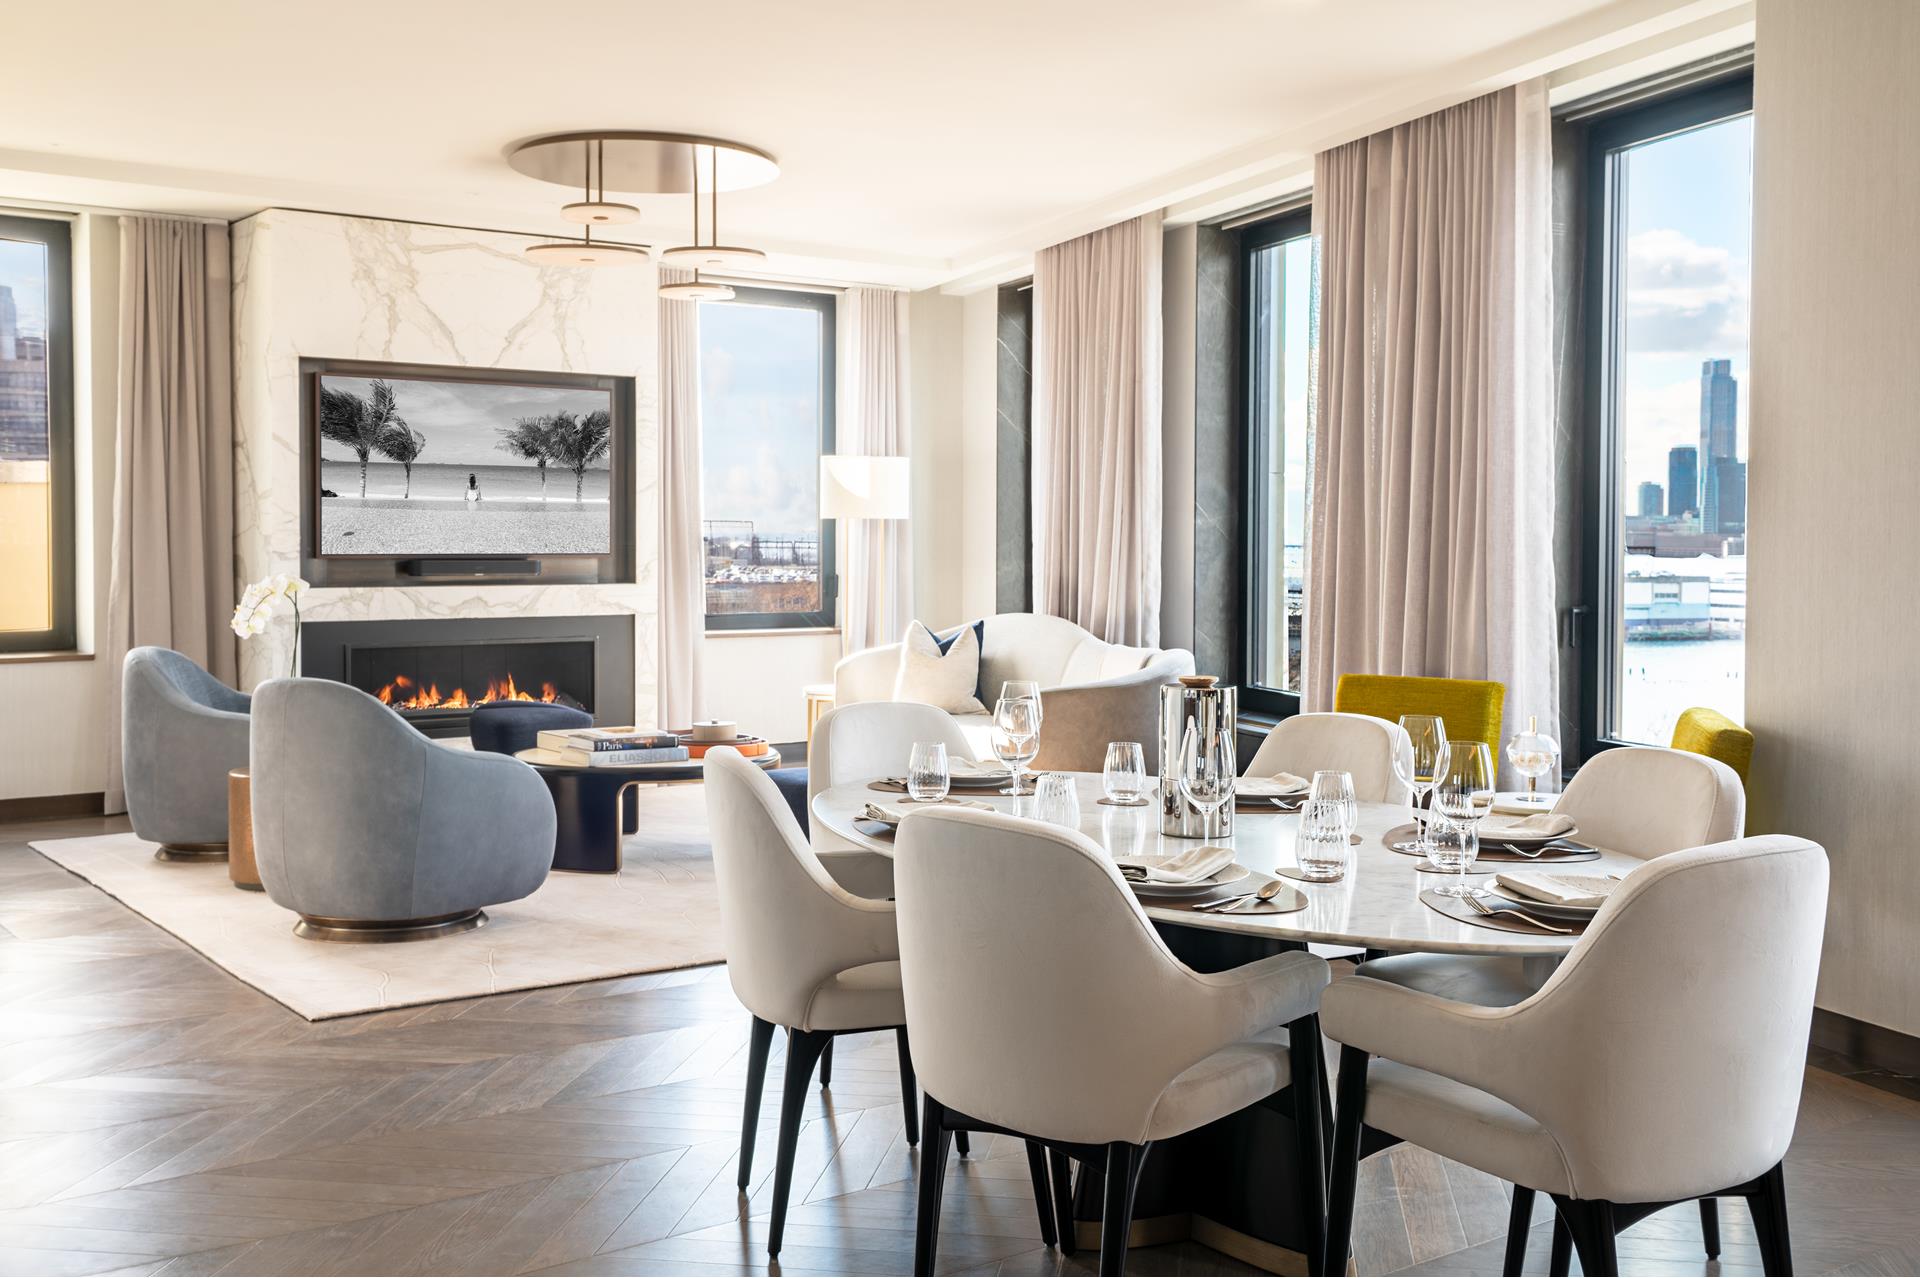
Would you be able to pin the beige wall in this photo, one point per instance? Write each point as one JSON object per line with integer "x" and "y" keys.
{"x": 979, "y": 437}
{"x": 938, "y": 446}
{"x": 1833, "y": 683}
{"x": 56, "y": 710}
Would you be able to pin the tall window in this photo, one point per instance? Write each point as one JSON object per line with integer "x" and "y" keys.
{"x": 1280, "y": 266}
{"x": 1671, "y": 225}
{"x": 36, "y": 435}
{"x": 766, "y": 416}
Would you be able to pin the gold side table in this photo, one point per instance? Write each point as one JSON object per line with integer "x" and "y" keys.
{"x": 819, "y": 701}
{"x": 240, "y": 864}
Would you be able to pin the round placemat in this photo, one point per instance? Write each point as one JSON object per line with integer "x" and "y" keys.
{"x": 1295, "y": 873}
{"x": 1455, "y": 908}
{"x": 1400, "y": 837}
{"x": 1288, "y": 902}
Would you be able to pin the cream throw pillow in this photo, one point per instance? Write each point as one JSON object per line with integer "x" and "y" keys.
{"x": 946, "y": 679}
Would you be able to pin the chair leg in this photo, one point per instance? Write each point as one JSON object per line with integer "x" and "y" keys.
{"x": 1344, "y": 1179}
{"x": 758, "y": 1047}
{"x": 1560, "y": 1259}
{"x": 933, "y": 1172}
{"x": 1303, "y": 1052}
{"x": 1061, "y": 1168}
{"x": 909, "y": 1088}
{"x": 1519, "y": 1226}
{"x": 1042, "y": 1191}
{"x": 1710, "y": 1226}
{"x": 1769, "y": 1208}
{"x": 1116, "y": 1218}
{"x": 826, "y": 1066}
{"x": 804, "y": 1049}
{"x": 1590, "y": 1223}
{"x": 961, "y": 1146}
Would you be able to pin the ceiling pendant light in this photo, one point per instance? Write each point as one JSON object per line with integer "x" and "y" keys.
{"x": 589, "y": 213}
{"x": 713, "y": 255}
{"x": 695, "y": 289}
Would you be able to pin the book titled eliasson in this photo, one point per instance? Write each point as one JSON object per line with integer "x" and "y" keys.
{"x": 613, "y": 747}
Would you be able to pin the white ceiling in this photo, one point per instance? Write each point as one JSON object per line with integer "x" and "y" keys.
{"x": 920, "y": 143}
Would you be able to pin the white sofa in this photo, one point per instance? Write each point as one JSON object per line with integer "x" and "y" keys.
{"x": 1091, "y": 691}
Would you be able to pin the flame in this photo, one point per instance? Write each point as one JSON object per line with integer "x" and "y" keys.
{"x": 404, "y": 694}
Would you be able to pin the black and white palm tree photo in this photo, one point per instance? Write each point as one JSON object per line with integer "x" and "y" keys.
{"x": 415, "y": 466}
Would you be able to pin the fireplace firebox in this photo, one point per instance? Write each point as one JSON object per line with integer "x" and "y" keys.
{"x": 433, "y": 672}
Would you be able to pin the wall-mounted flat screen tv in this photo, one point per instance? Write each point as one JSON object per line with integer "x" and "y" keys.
{"x": 453, "y": 467}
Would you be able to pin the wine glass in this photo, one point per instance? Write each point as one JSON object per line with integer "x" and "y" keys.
{"x": 1335, "y": 790}
{"x": 927, "y": 776}
{"x": 1125, "y": 774}
{"x": 1464, "y": 795}
{"x": 1206, "y": 774}
{"x": 1417, "y": 761}
{"x": 1533, "y": 755}
{"x": 1016, "y": 736}
{"x": 1024, "y": 690}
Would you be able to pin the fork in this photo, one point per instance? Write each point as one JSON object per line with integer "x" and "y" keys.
{"x": 1481, "y": 907}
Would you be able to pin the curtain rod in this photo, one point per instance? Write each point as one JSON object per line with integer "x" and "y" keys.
{"x": 1719, "y": 66}
{"x": 1262, "y": 212}
{"x": 66, "y": 209}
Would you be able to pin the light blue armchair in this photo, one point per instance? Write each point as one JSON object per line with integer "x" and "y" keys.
{"x": 371, "y": 832}
{"x": 181, "y": 731}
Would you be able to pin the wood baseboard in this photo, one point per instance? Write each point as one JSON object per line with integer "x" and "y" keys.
{"x": 1870, "y": 1044}
{"x": 50, "y": 807}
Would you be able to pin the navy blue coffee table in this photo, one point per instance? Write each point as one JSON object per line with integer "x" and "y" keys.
{"x": 587, "y": 802}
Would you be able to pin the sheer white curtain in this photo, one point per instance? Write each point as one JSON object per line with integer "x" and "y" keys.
{"x": 873, "y": 423}
{"x": 1430, "y": 539}
{"x": 1096, "y": 431}
{"x": 683, "y": 606}
{"x": 172, "y": 558}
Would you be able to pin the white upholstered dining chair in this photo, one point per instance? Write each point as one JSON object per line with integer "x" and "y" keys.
{"x": 1662, "y": 1061}
{"x": 805, "y": 954}
{"x": 1357, "y": 744}
{"x": 858, "y": 743}
{"x": 1044, "y": 1004}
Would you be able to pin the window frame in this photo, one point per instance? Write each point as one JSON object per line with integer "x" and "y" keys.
{"x": 1274, "y": 702}
{"x": 1608, "y": 136}
{"x": 826, "y": 305}
{"x": 56, "y": 234}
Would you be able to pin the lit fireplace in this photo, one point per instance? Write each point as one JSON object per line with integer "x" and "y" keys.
{"x": 404, "y": 694}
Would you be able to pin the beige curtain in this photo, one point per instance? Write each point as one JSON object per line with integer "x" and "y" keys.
{"x": 683, "y": 603}
{"x": 1430, "y": 535}
{"x": 172, "y": 567}
{"x": 873, "y": 423}
{"x": 1096, "y": 431}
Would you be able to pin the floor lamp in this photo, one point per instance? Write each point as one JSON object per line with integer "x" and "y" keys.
{"x": 854, "y": 488}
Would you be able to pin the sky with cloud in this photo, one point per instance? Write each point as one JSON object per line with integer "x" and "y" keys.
{"x": 760, "y": 416}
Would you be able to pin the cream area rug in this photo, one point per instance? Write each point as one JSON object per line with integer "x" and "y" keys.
{"x": 661, "y": 911}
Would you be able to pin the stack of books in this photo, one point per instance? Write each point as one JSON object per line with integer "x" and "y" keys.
{"x": 613, "y": 747}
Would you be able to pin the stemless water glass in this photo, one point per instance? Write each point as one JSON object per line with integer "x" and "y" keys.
{"x": 1055, "y": 801}
{"x": 1418, "y": 759}
{"x": 1322, "y": 846}
{"x": 1533, "y": 755}
{"x": 927, "y": 777}
{"x": 1335, "y": 789}
{"x": 1454, "y": 847}
{"x": 1016, "y": 736}
{"x": 1206, "y": 774}
{"x": 1463, "y": 796}
{"x": 1125, "y": 777}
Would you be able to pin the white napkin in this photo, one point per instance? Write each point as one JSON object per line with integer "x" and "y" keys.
{"x": 1280, "y": 785}
{"x": 1582, "y": 891}
{"x": 1541, "y": 825}
{"x": 1191, "y": 866}
{"x": 894, "y": 816}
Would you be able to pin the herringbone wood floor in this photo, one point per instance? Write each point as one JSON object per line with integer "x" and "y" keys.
{"x": 156, "y": 1116}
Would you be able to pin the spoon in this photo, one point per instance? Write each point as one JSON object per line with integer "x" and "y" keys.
{"x": 1266, "y": 893}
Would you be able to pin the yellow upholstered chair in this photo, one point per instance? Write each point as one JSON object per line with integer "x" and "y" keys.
{"x": 1708, "y": 732}
{"x": 1469, "y": 707}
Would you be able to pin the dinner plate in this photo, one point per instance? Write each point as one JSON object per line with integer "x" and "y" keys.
{"x": 1545, "y": 909}
{"x": 1490, "y": 839}
{"x": 1267, "y": 788}
{"x": 977, "y": 780}
{"x": 1180, "y": 891}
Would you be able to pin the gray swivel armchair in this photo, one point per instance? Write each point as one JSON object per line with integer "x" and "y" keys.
{"x": 371, "y": 832}
{"x": 181, "y": 732}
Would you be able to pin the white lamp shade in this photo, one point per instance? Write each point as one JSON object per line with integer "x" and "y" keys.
{"x": 863, "y": 487}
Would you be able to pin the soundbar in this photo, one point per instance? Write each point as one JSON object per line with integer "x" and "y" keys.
{"x": 470, "y": 567}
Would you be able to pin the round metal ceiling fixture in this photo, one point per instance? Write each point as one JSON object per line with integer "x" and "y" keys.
{"x": 585, "y": 253}
{"x": 712, "y": 257}
{"x": 599, "y": 213}
{"x": 696, "y": 291}
{"x": 643, "y": 163}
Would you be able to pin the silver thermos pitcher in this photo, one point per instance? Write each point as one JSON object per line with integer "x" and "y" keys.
{"x": 1196, "y": 699}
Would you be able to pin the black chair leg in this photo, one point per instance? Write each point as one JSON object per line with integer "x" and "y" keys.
{"x": 804, "y": 1049}
{"x": 1061, "y": 1169}
{"x": 933, "y": 1174}
{"x": 1590, "y": 1221}
{"x": 961, "y": 1146}
{"x": 1344, "y": 1179}
{"x": 1116, "y": 1218}
{"x": 826, "y": 1065}
{"x": 758, "y": 1048}
{"x": 1310, "y": 1151}
{"x": 909, "y": 1089}
{"x": 1769, "y": 1208}
{"x": 1710, "y": 1226}
{"x": 1519, "y": 1226}
{"x": 1042, "y": 1191}
{"x": 1561, "y": 1257}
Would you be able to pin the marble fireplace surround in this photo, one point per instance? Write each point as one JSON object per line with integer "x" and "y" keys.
{"x": 333, "y": 287}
